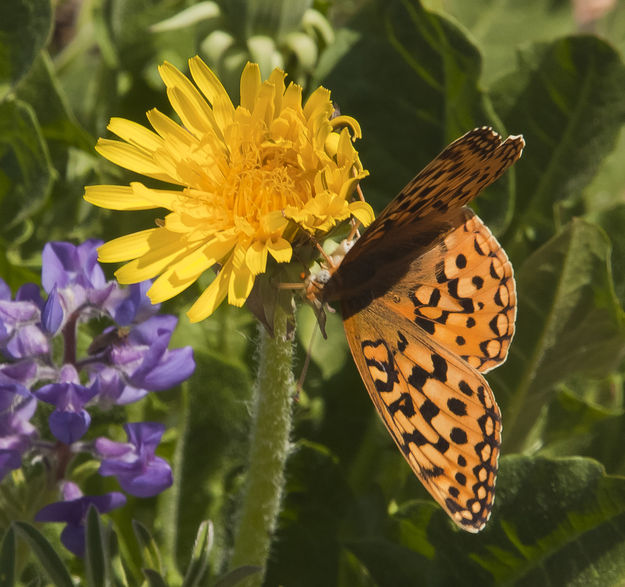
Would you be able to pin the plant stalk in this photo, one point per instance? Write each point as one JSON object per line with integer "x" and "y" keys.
{"x": 269, "y": 448}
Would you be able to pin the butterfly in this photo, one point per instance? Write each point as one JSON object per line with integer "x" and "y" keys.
{"x": 428, "y": 301}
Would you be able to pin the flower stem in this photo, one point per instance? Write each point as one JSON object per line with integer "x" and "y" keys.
{"x": 269, "y": 447}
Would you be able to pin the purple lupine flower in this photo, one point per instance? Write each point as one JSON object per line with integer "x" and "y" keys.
{"x": 73, "y": 511}
{"x": 69, "y": 421}
{"x": 139, "y": 361}
{"x": 72, "y": 278}
{"x": 138, "y": 470}
{"x": 20, "y": 332}
{"x": 16, "y": 433}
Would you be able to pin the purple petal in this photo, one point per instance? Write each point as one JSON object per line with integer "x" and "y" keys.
{"x": 24, "y": 372}
{"x": 121, "y": 468}
{"x": 74, "y": 512}
{"x": 145, "y": 435}
{"x": 70, "y": 491}
{"x": 57, "y": 260}
{"x": 130, "y": 394}
{"x": 156, "y": 477}
{"x": 73, "y": 538}
{"x": 18, "y": 312}
{"x": 68, "y": 427}
{"x": 30, "y": 292}
{"x": 65, "y": 396}
{"x": 61, "y": 511}
{"x": 29, "y": 341}
{"x": 88, "y": 262}
{"x": 111, "y": 389}
{"x": 5, "y": 290}
{"x": 154, "y": 328}
{"x": 107, "y": 448}
{"x": 64, "y": 264}
{"x": 53, "y": 314}
{"x": 10, "y": 390}
{"x": 175, "y": 367}
{"x": 9, "y": 460}
{"x": 107, "y": 502}
{"x": 136, "y": 306}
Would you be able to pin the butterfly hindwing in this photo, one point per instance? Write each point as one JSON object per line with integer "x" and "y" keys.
{"x": 438, "y": 409}
{"x": 461, "y": 292}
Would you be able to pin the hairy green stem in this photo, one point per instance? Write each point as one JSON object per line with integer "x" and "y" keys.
{"x": 269, "y": 448}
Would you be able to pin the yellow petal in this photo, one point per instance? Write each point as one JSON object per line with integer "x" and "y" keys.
{"x": 363, "y": 212}
{"x": 116, "y": 197}
{"x": 211, "y": 87}
{"x": 174, "y": 136}
{"x": 280, "y": 250}
{"x": 350, "y": 122}
{"x": 130, "y": 157}
{"x": 168, "y": 285}
{"x": 205, "y": 257}
{"x": 159, "y": 198}
{"x": 126, "y": 247}
{"x": 256, "y": 257}
{"x": 250, "y": 85}
{"x": 165, "y": 248}
{"x": 319, "y": 101}
{"x": 293, "y": 97}
{"x": 240, "y": 286}
{"x": 187, "y": 101}
{"x": 211, "y": 297}
{"x": 276, "y": 79}
{"x": 135, "y": 134}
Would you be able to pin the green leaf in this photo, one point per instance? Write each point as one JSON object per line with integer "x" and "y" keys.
{"x": 118, "y": 573}
{"x": 188, "y": 17}
{"x": 559, "y": 522}
{"x": 501, "y": 26}
{"x": 569, "y": 323}
{"x": 199, "y": 555}
{"x": 26, "y": 172}
{"x": 555, "y": 521}
{"x": 45, "y": 553}
{"x": 566, "y": 100}
{"x": 149, "y": 549}
{"x": 7, "y": 559}
{"x": 612, "y": 221}
{"x": 154, "y": 579}
{"x": 96, "y": 556}
{"x": 41, "y": 89}
{"x": 24, "y": 29}
{"x": 236, "y": 576}
{"x": 330, "y": 354}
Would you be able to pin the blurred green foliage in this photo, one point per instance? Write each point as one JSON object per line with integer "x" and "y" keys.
{"x": 416, "y": 75}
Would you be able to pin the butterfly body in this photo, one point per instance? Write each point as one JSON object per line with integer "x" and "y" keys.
{"x": 428, "y": 302}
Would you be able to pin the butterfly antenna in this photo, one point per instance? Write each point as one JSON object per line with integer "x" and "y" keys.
{"x": 302, "y": 375}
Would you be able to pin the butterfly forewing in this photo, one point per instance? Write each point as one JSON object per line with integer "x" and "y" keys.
{"x": 438, "y": 409}
{"x": 454, "y": 178}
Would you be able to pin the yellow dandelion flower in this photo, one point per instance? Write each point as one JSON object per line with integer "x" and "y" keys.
{"x": 244, "y": 175}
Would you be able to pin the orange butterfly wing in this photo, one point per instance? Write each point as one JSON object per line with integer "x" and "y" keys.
{"x": 428, "y": 301}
